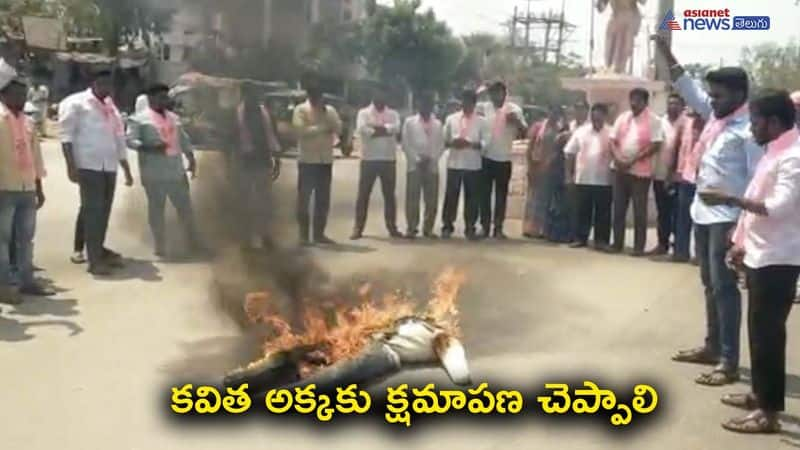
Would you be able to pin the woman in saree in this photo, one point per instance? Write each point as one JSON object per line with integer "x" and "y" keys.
{"x": 542, "y": 215}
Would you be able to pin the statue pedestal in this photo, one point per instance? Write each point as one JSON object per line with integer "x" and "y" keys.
{"x": 613, "y": 90}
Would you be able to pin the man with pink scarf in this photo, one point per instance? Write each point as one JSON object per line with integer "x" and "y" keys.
{"x": 729, "y": 158}
{"x": 766, "y": 243}
{"x": 156, "y": 134}
{"x": 93, "y": 141}
{"x": 637, "y": 136}
{"x": 378, "y": 127}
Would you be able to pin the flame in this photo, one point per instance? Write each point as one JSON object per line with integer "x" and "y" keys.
{"x": 339, "y": 332}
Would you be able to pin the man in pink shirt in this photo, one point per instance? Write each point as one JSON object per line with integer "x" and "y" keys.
{"x": 766, "y": 243}
{"x": 637, "y": 137}
{"x": 588, "y": 163}
{"x": 684, "y": 179}
{"x": 664, "y": 167}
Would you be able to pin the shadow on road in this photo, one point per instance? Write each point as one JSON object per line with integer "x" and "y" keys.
{"x": 792, "y": 384}
{"x": 44, "y": 306}
{"x": 345, "y": 248}
{"x": 12, "y": 330}
{"x": 209, "y": 359}
{"x": 136, "y": 269}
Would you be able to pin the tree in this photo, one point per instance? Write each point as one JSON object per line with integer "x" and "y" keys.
{"x": 773, "y": 66}
{"x": 402, "y": 45}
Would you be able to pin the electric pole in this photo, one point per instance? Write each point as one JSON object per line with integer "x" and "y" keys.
{"x": 664, "y": 6}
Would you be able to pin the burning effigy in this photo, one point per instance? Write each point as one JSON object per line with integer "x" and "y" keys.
{"x": 358, "y": 344}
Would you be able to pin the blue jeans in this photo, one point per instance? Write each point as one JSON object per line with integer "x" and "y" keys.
{"x": 683, "y": 219}
{"x": 17, "y": 214}
{"x": 723, "y": 299}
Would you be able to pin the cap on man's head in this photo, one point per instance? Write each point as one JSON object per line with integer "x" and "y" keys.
{"x": 796, "y": 98}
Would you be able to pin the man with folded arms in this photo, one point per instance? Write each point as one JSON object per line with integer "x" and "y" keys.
{"x": 465, "y": 136}
{"x": 637, "y": 137}
{"x": 423, "y": 144}
{"x": 377, "y": 126}
{"x": 767, "y": 243}
{"x": 729, "y": 159}
{"x": 589, "y": 159}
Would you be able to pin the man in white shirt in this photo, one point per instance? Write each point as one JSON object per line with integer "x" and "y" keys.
{"x": 465, "y": 136}
{"x": 93, "y": 140}
{"x": 423, "y": 145}
{"x": 378, "y": 127}
{"x": 588, "y": 163}
{"x": 767, "y": 243}
{"x": 507, "y": 121}
{"x": 637, "y": 137}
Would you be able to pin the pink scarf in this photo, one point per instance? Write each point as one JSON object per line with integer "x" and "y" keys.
{"x": 644, "y": 137}
{"x": 466, "y": 124}
{"x": 378, "y": 117}
{"x": 759, "y": 186}
{"x": 111, "y": 115}
{"x": 165, "y": 124}
{"x": 500, "y": 120}
{"x": 713, "y": 129}
{"x": 22, "y": 141}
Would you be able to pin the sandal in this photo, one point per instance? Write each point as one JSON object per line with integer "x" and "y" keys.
{"x": 718, "y": 377}
{"x": 754, "y": 423}
{"x": 700, "y": 355}
{"x": 743, "y": 401}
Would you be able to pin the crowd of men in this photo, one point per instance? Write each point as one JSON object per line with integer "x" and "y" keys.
{"x": 727, "y": 167}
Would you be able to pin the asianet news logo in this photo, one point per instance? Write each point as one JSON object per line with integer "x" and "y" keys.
{"x": 712, "y": 20}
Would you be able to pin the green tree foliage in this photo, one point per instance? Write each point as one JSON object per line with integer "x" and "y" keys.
{"x": 404, "y": 45}
{"x": 773, "y": 66}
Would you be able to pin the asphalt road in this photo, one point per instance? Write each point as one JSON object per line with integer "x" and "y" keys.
{"x": 90, "y": 368}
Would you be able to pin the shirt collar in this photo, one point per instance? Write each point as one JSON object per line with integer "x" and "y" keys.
{"x": 784, "y": 141}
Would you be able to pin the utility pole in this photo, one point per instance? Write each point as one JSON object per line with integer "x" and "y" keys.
{"x": 514, "y": 28}
{"x": 528, "y": 31}
{"x": 560, "y": 33}
{"x": 662, "y": 71}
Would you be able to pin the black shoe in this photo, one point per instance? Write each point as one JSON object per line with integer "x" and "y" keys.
{"x": 430, "y": 235}
{"x": 498, "y": 234}
{"x": 102, "y": 270}
{"x": 111, "y": 255}
{"x": 472, "y": 235}
{"x": 324, "y": 240}
{"x": 612, "y": 250}
{"x": 355, "y": 236}
{"x": 638, "y": 253}
{"x": 578, "y": 244}
{"x": 36, "y": 290}
{"x": 411, "y": 235}
{"x": 394, "y": 234}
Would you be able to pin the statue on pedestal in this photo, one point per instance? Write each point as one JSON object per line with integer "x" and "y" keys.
{"x": 626, "y": 20}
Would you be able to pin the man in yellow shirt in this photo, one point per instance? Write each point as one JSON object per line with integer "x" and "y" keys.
{"x": 317, "y": 126}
